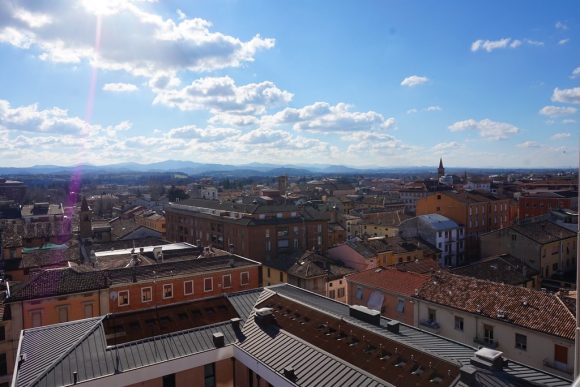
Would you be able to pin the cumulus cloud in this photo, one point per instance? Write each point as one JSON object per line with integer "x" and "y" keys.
{"x": 414, "y": 80}
{"x": 65, "y": 32}
{"x": 434, "y": 108}
{"x": 323, "y": 117}
{"x": 562, "y": 42}
{"x": 189, "y": 132}
{"x": 364, "y": 142}
{"x": 54, "y": 120}
{"x": 221, "y": 94}
{"x": 576, "y": 72}
{"x": 446, "y": 146}
{"x": 487, "y": 128}
{"x": 120, "y": 87}
{"x": 560, "y": 25}
{"x": 491, "y": 45}
{"x": 552, "y": 111}
{"x": 567, "y": 95}
{"x": 560, "y": 136}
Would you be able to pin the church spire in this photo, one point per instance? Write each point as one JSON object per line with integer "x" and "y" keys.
{"x": 440, "y": 170}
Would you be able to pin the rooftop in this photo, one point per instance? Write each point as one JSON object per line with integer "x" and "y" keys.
{"x": 543, "y": 232}
{"x": 315, "y": 335}
{"x": 390, "y": 280}
{"x": 527, "y": 308}
{"x": 504, "y": 268}
{"x": 311, "y": 264}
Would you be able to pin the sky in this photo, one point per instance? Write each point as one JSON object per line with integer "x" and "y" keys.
{"x": 357, "y": 83}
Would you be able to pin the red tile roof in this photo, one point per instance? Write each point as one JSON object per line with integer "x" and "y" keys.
{"x": 390, "y": 280}
{"x": 528, "y": 308}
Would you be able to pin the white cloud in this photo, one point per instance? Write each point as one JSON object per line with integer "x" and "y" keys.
{"x": 576, "y": 72}
{"x": 412, "y": 111}
{"x": 375, "y": 143}
{"x": 446, "y": 146}
{"x": 323, "y": 117}
{"x": 529, "y": 144}
{"x": 560, "y": 136}
{"x": 65, "y": 32}
{"x": 566, "y": 95}
{"x": 414, "y": 80}
{"x": 120, "y": 87}
{"x": 434, "y": 108}
{"x": 560, "y": 25}
{"x": 562, "y": 42}
{"x": 54, "y": 120}
{"x": 221, "y": 94}
{"x": 552, "y": 111}
{"x": 487, "y": 128}
{"x": 189, "y": 132}
{"x": 491, "y": 45}
{"x": 568, "y": 121}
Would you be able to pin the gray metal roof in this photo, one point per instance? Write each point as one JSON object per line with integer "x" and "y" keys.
{"x": 244, "y": 302}
{"x": 56, "y": 351}
{"x": 313, "y": 367}
{"x": 437, "y": 221}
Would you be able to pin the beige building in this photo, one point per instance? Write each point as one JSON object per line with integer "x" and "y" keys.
{"x": 545, "y": 246}
{"x": 528, "y": 326}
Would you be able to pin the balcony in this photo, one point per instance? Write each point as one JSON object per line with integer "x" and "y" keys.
{"x": 557, "y": 366}
{"x": 430, "y": 325}
{"x": 489, "y": 343}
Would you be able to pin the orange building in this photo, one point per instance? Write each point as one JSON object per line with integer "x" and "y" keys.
{"x": 476, "y": 211}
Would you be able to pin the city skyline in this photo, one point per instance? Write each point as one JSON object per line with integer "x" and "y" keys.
{"x": 383, "y": 84}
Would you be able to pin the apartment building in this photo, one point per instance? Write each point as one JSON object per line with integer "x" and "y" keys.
{"x": 476, "y": 212}
{"x": 259, "y": 230}
{"x": 529, "y": 326}
{"x": 536, "y": 203}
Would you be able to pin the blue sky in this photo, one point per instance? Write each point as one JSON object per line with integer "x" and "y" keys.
{"x": 371, "y": 83}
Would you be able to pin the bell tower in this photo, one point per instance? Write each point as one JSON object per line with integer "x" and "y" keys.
{"x": 85, "y": 230}
{"x": 440, "y": 170}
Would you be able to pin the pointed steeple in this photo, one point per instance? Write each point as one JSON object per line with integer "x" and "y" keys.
{"x": 440, "y": 170}
{"x": 441, "y": 163}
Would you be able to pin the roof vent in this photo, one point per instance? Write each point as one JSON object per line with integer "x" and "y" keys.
{"x": 236, "y": 322}
{"x": 489, "y": 359}
{"x": 289, "y": 373}
{"x": 365, "y": 314}
{"x": 468, "y": 375}
{"x": 393, "y": 326}
{"x": 525, "y": 301}
{"x": 263, "y": 312}
{"x": 218, "y": 339}
{"x": 501, "y": 313}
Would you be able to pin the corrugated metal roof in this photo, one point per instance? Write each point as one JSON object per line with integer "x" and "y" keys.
{"x": 244, "y": 302}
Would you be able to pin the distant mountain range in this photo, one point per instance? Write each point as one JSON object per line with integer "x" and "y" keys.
{"x": 223, "y": 170}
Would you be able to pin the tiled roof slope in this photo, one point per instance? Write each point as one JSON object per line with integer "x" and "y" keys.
{"x": 390, "y": 280}
{"x": 59, "y": 282}
{"x": 421, "y": 266}
{"x": 528, "y": 308}
{"x": 543, "y": 232}
{"x": 505, "y": 268}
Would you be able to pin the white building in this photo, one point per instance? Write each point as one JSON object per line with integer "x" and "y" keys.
{"x": 439, "y": 231}
{"x": 529, "y": 326}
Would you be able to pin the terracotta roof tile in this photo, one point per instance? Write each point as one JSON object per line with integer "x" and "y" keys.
{"x": 528, "y": 308}
{"x": 390, "y": 280}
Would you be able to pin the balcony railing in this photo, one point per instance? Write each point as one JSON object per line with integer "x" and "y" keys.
{"x": 430, "y": 325}
{"x": 556, "y": 365}
{"x": 489, "y": 343}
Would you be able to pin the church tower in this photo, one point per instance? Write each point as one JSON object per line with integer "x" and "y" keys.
{"x": 440, "y": 170}
{"x": 85, "y": 230}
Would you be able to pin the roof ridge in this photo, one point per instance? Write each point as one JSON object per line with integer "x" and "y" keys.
{"x": 98, "y": 321}
{"x": 565, "y": 306}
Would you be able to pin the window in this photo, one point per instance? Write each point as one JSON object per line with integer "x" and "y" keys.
{"x": 207, "y": 284}
{"x": 209, "y": 375}
{"x": 279, "y": 215}
{"x": 340, "y": 292}
{"x": 146, "y": 295}
{"x": 188, "y": 287}
{"x": 514, "y": 237}
{"x": 168, "y": 291}
{"x": 169, "y": 380}
{"x": 88, "y": 310}
{"x": 2, "y": 333}
{"x": 268, "y": 271}
{"x": 227, "y": 281}
{"x": 459, "y": 323}
{"x": 332, "y": 294}
{"x": 3, "y": 365}
{"x": 245, "y": 278}
{"x": 319, "y": 228}
{"x": 281, "y": 276}
{"x": 359, "y": 293}
{"x": 488, "y": 334}
{"x": 36, "y": 317}
{"x": 401, "y": 305}
{"x": 521, "y": 342}
{"x": 432, "y": 314}
{"x": 62, "y": 314}
{"x": 561, "y": 354}
{"x": 123, "y": 298}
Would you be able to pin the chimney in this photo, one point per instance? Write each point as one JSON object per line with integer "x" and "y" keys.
{"x": 75, "y": 377}
{"x": 393, "y": 326}
{"x": 289, "y": 373}
{"x": 236, "y": 323}
{"x": 365, "y": 314}
{"x": 468, "y": 375}
{"x": 218, "y": 339}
